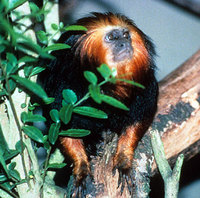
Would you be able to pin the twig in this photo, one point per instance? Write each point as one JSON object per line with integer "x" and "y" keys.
{"x": 8, "y": 191}
{"x": 18, "y": 125}
{"x": 170, "y": 177}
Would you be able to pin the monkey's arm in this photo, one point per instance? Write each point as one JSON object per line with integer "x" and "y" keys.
{"x": 142, "y": 112}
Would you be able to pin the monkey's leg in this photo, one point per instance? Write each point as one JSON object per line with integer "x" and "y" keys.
{"x": 75, "y": 150}
{"x": 125, "y": 151}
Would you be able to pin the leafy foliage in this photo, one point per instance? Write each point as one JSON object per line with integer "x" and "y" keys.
{"x": 19, "y": 56}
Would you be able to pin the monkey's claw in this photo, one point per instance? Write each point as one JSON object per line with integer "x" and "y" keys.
{"x": 80, "y": 188}
{"x": 125, "y": 178}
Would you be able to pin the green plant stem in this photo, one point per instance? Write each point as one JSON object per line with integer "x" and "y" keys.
{"x": 87, "y": 95}
{"x": 171, "y": 177}
{"x": 83, "y": 99}
{"x": 52, "y": 36}
{"x": 18, "y": 126}
{"x": 34, "y": 160}
{"x": 20, "y": 132}
{"x": 45, "y": 170}
{"x": 8, "y": 191}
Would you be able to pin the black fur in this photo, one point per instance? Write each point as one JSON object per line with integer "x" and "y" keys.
{"x": 66, "y": 72}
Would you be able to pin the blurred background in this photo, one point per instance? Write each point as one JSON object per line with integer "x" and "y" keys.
{"x": 174, "y": 27}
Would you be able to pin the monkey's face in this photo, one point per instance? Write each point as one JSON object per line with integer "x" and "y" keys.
{"x": 118, "y": 40}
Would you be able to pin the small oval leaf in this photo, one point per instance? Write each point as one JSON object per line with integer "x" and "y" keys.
{"x": 69, "y": 96}
{"x": 54, "y": 114}
{"x": 54, "y": 26}
{"x": 34, "y": 133}
{"x": 91, "y": 112}
{"x": 53, "y": 132}
{"x": 132, "y": 83}
{"x": 75, "y": 28}
{"x": 66, "y": 113}
{"x": 75, "y": 132}
{"x": 91, "y": 77}
{"x": 33, "y": 87}
{"x": 29, "y": 117}
{"x": 95, "y": 93}
{"x": 114, "y": 102}
{"x": 27, "y": 59}
{"x": 57, "y": 46}
{"x": 104, "y": 70}
{"x": 37, "y": 70}
{"x": 56, "y": 165}
{"x": 42, "y": 37}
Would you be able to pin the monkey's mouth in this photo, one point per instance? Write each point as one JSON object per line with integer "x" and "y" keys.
{"x": 123, "y": 55}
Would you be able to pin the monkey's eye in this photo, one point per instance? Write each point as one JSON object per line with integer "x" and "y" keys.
{"x": 126, "y": 35}
{"x": 110, "y": 37}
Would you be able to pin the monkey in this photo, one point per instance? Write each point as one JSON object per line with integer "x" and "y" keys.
{"x": 115, "y": 40}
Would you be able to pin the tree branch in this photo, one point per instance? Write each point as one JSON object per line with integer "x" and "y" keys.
{"x": 177, "y": 120}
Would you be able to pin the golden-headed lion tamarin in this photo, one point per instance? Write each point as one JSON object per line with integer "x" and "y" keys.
{"x": 115, "y": 40}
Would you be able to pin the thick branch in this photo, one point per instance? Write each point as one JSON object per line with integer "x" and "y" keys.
{"x": 178, "y": 115}
{"x": 177, "y": 120}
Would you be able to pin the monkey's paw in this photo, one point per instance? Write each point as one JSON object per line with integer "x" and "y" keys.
{"x": 79, "y": 190}
{"x": 82, "y": 177}
{"x": 123, "y": 165}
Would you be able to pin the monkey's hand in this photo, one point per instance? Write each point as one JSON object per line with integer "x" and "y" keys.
{"x": 81, "y": 171}
{"x": 123, "y": 163}
{"x": 81, "y": 175}
{"x": 124, "y": 155}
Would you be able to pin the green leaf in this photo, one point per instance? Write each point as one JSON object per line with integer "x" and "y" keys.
{"x": 8, "y": 155}
{"x": 27, "y": 71}
{"x": 33, "y": 87}
{"x": 37, "y": 70}
{"x": 12, "y": 165}
{"x": 105, "y": 71}
{"x": 12, "y": 85}
{"x": 54, "y": 26}
{"x": 69, "y": 96}
{"x": 34, "y": 7}
{"x": 49, "y": 100}
{"x": 34, "y": 133}
{"x": 11, "y": 65}
{"x": 15, "y": 174}
{"x": 54, "y": 114}
{"x": 29, "y": 117}
{"x": 42, "y": 37}
{"x": 75, "y": 132}
{"x": 3, "y": 162}
{"x": 11, "y": 58}
{"x": 10, "y": 68}
{"x": 18, "y": 146}
{"x": 2, "y": 48}
{"x": 56, "y": 165}
{"x": 25, "y": 44}
{"x": 27, "y": 59}
{"x": 3, "y": 143}
{"x": 46, "y": 143}
{"x": 66, "y": 113}
{"x": 91, "y": 112}
{"x": 91, "y": 77}
{"x": 131, "y": 82}
{"x": 114, "y": 102}
{"x": 75, "y": 28}
{"x": 3, "y": 178}
{"x": 95, "y": 93}
{"x": 53, "y": 132}
{"x": 57, "y": 46}
{"x": 61, "y": 25}
{"x": 15, "y": 3}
